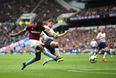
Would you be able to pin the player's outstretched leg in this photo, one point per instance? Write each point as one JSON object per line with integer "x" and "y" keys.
{"x": 36, "y": 58}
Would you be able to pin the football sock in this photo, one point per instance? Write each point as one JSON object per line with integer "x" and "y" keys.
{"x": 105, "y": 53}
{"x": 30, "y": 61}
{"x": 50, "y": 59}
{"x": 47, "y": 53}
{"x": 111, "y": 53}
{"x": 94, "y": 53}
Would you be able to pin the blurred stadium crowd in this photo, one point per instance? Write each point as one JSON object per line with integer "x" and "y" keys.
{"x": 11, "y": 10}
{"x": 78, "y": 38}
{"x": 81, "y": 38}
{"x": 98, "y": 11}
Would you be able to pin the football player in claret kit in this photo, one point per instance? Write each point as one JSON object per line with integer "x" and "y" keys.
{"x": 34, "y": 31}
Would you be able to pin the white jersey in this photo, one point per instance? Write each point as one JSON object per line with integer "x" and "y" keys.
{"x": 50, "y": 30}
{"x": 101, "y": 37}
{"x": 93, "y": 43}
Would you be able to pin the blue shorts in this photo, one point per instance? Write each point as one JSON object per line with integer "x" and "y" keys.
{"x": 101, "y": 45}
{"x": 47, "y": 45}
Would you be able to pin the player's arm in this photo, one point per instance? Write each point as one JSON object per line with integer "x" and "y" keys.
{"x": 18, "y": 33}
{"x": 98, "y": 37}
{"x": 63, "y": 34}
{"x": 51, "y": 33}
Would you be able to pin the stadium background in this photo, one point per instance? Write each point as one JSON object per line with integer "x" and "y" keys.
{"x": 83, "y": 17}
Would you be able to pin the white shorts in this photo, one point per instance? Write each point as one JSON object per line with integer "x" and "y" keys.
{"x": 34, "y": 43}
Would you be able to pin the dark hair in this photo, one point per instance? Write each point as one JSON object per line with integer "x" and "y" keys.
{"x": 39, "y": 23}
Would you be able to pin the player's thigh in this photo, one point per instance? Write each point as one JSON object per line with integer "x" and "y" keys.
{"x": 54, "y": 44}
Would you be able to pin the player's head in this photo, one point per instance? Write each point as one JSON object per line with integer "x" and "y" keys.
{"x": 39, "y": 23}
{"x": 49, "y": 22}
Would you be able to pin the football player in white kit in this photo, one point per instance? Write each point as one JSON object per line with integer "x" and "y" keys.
{"x": 49, "y": 42}
{"x": 102, "y": 46}
{"x": 93, "y": 45}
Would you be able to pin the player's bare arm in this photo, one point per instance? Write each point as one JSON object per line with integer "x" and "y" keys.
{"x": 63, "y": 34}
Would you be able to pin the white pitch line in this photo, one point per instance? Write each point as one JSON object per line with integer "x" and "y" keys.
{"x": 81, "y": 71}
{"x": 90, "y": 69}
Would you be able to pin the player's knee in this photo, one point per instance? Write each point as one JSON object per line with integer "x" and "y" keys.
{"x": 54, "y": 44}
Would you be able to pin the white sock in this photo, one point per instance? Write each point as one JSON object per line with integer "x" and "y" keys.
{"x": 50, "y": 59}
{"x": 105, "y": 53}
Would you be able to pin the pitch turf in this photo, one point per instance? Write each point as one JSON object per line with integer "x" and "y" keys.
{"x": 74, "y": 66}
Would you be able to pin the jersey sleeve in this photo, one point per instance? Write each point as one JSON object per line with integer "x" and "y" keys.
{"x": 98, "y": 36}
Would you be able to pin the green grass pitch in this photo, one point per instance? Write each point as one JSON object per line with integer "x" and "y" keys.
{"x": 73, "y": 66}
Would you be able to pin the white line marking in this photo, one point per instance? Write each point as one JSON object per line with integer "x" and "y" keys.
{"x": 81, "y": 71}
